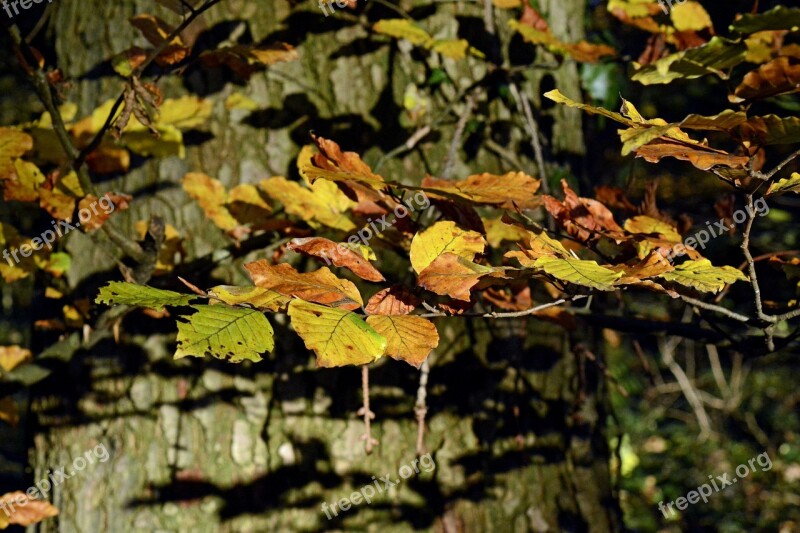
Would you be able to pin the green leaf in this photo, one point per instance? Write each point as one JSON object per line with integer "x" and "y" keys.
{"x": 780, "y": 18}
{"x": 230, "y": 333}
{"x": 715, "y": 57}
{"x": 338, "y": 337}
{"x": 579, "y": 272}
{"x": 123, "y": 293}
{"x": 702, "y": 275}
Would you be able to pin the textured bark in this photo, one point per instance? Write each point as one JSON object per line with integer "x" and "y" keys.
{"x": 205, "y": 446}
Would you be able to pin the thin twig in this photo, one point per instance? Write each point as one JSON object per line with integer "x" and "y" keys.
{"x": 368, "y": 415}
{"x": 421, "y": 407}
{"x": 716, "y": 308}
{"x": 447, "y": 167}
{"x": 514, "y": 314}
{"x": 667, "y": 349}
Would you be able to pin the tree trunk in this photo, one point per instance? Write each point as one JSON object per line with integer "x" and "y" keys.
{"x": 202, "y": 445}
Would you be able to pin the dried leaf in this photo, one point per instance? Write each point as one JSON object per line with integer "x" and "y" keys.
{"x": 396, "y": 300}
{"x": 337, "y": 254}
{"x": 320, "y": 286}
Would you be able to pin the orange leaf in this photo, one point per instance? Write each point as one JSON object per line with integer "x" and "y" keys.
{"x": 26, "y": 511}
{"x": 779, "y": 76}
{"x": 396, "y": 300}
{"x": 337, "y": 254}
{"x": 320, "y": 286}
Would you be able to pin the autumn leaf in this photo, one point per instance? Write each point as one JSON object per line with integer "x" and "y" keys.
{"x": 444, "y": 237}
{"x": 582, "y": 51}
{"x": 123, "y": 293}
{"x": 790, "y": 184}
{"x": 715, "y": 57}
{"x": 578, "y": 272}
{"x": 256, "y": 297}
{"x": 537, "y": 244}
{"x": 323, "y": 203}
{"x": 334, "y": 165}
{"x": 9, "y": 412}
{"x": 32, "y": 512}
{"x": 701, "y": 156}
{"x": 246, "y": 60}
{"x": 395, "y": 300}
{"x": 453, "y": 275}
{"x": 515, "y": 190}
{"x": 779, "y": 76}
{"x": 320, "y": 286}
{"x": 778, "y": 18}
{"x": 13, "y": 356}
{"x": 408, "y": 338}
{"x": 13, "y": 144}
{"x": 95, "y": 211}
{"x": 337, "y": 254}
{"x": 690, "y": 16}
{"x": 337, "y": 337}
{"x": 702, "y": 275}
{"x": 25, "y": 182}
{"x": 211, "y": 196}
{"x": 583, "y": 218}
{"x": 156, "y": 31}
{"x": 230, "y": 333}
{"x": 404, "y": 29}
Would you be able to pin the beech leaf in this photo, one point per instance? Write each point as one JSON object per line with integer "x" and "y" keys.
{"x": 579, "y": 272}
{"x": 337, "y": 337}
{"x": 123, "y": 293}
{"x": 408, "y": 338}
{"x": 700, "y": 274}
{"x": 320, "y": 286}
{"x": 444, "y": 237}
{"x": 230, "y": 333}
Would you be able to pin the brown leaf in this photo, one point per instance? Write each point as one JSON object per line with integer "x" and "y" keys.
{"x": 583, "y": 218}
{"x": 613, "y": 197}
{"x": 396, "y": 300}
{"x": 9, "y": 412}
{"x": 779, "y": 76}
{"x": 320, "y": 286}
{"x": 700, "y": 155}
{"x": 333, "y": 164}
{"x": 514, "y": 190}
{"x": 96, "y": 213}
{"x": 338, "y": 254}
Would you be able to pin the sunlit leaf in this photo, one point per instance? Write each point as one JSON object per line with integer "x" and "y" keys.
{"x": 337, "y": 337}
{"x": 396, "y": 300}
{"x": 338, "y": 255}
{"x": 579, "y": 272}
{"x": 702, "y": 275}
{"x": 33, "y": 512}
{"x": 454, "y": 276}
{"x": 444, "y": 237}
{"x": 230, "y": 333}
{"x": 320, "y": 286}
{"x": 13, "y": 356}
{"x": 790, "y": 184}
{"x": 408, "y": 338}
{"x": 404, "y": 29}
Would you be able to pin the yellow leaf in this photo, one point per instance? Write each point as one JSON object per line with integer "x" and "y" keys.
{"x": 323, "y": 202}
{"x": 13, "y": 356}
{"x": 444, "y": 236}
{"x": 210, "y": 194}
{"x": 497, "y": 232}
{"x": 579, "y": 272}
{"x": 507, "y": 4}
{"x": 537, "y": 244}
{"x": 690, "y": 16}
{"x": 648, "y": 225}
{"x": 790, "y": 184}
{"x": 404, "y": 29}
{"x": 514, "y": 190}
{"x": 452, "y": 48}
{"x": 338, "y": 337}
{"x": 702, "y": 275}
{"x": 257, "y": 297}
{"x": 13, "y": 144}
{"x": 25, "y": 186}
{"x": 408, "y": 338}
